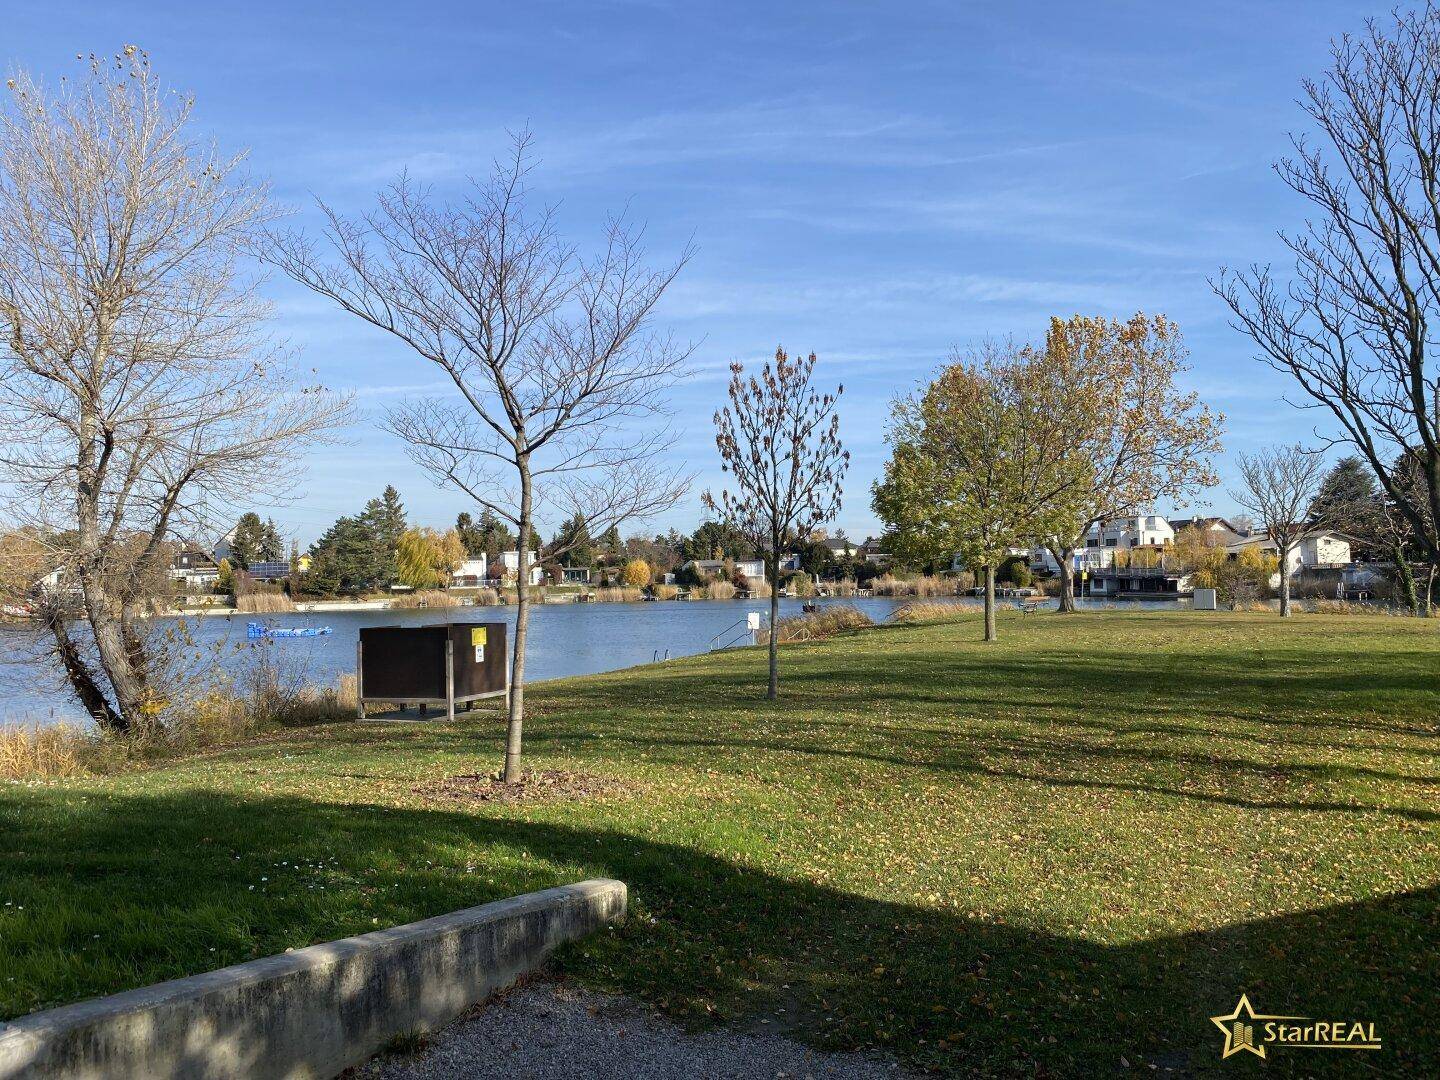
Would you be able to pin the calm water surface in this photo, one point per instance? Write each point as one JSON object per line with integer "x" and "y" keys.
{"x": 565, "y": 639}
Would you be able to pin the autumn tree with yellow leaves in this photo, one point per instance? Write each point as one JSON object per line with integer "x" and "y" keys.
{"x": 1132, "y": 436}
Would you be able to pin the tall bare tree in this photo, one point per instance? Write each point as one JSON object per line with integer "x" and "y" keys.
{"x": 1132, "y": 435}
{"x": 1352, "y": 323}
{"x": 1401, "y": 539}
{"x": 559, "y": 376}
{"x": 779, "y": 440}
{"x": 1278, "y": 486}
{"x": 139, "y": 395}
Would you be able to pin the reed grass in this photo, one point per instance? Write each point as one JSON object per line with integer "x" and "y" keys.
{"x": 617, "y": 594}
{"x": 1346, "y": 607}
{"x": 264, "y": 602}
{"x": 36, "y": 752}
{"x": 918, "y": 611}
{"x": 926, "y": 585}
{"x": 666, "y": 592}
{"x": 261, "y": 704}
{"x": 818, "y": 625}
{"x": 426, "y": 598}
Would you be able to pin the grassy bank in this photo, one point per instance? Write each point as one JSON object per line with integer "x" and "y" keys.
{"x": 1064, "y": 851}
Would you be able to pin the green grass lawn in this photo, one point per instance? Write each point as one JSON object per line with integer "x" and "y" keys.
{"x": 1061, "y": 852}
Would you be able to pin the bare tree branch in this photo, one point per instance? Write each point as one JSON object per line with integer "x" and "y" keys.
{"x": 560, "y": 381}
{"x": 1352, "y": 325}
{"x": 140, "y": 396}
{"x": 779, "y": 439}
{"x": 1278, "y": 487}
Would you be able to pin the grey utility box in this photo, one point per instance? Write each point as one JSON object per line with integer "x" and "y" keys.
{"x": 448, "y": 664}
{"x": 1204, "y": 600}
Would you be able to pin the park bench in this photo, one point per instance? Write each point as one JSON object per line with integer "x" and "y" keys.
{"x": 1028, "y": 607}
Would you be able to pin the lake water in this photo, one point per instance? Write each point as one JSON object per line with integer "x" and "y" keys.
{"x": 565, "y": 639}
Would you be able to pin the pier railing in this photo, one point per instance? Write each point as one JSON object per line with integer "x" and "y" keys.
{"x": 737, "y": 639}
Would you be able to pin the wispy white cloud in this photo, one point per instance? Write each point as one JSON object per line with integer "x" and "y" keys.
{"x": 693, "y": 298}
{"x": 794, "y": 130}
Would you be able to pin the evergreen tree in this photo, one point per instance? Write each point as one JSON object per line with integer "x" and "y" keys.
{"x": 572, "y": 544}
{"x": 387, "y": 516}
{"x": 612, "y": 548}
{"x": 470, "y": 535}
{"x": 272, "y": 546}
{"x": 255, "y": 541}
{"x": 716, "y": 540}
{"x": 487, "y": 536}
{"x": 246, "y": 541}
{"x": 1350, "y": 502}
{"x": 383, "y": 522}
{"x": 344, "y": 559}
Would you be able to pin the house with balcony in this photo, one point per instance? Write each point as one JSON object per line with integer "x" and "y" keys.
{"x": 1127, "y": 533}
{"x": 751, "y": 569}
{"x": 1321, "y": 549}
{"x": 1126, "y": 558}
{"x": 508, "y": 568}
{"x": 1220, "y": 529}
{"x": 1125, "y": 582}
{"x": 874, "y": 552}
{"x": 196, "y": 569}
{"x": 1103, "y": 540}
{"x": 469, "y": 574}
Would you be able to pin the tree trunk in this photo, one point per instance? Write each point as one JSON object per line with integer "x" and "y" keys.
{"x": 1407, "y": 580}
{"x": 1067, "y": 579}
{"x": 1284, "y": 582}
{"x": 773, "y": 693}
{"x": 1429, "y": 607}
{"x": 514, "y": 735}
{"x": 117, "y": 654}
{"x": 989, "y": 602}
{"x": 77, "y": 672}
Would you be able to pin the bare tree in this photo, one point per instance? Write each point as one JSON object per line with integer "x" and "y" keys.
{"x": 558, "y": 374}
{"x": 1352, "y": 326}
{"x": 779, "y": 438}
{"x": 1400, "y": 538}
{"x": 139, "y": 395}
{"x": 1278, "y": 486}
{"x": 28, "y": 557}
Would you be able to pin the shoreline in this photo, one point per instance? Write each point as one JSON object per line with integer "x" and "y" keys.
{"x": 304, "y": 607}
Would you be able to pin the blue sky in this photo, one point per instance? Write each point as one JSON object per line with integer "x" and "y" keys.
{"x": 876, "y": 182}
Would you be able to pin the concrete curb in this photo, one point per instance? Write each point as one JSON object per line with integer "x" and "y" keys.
{"x": 313, "y": 1012}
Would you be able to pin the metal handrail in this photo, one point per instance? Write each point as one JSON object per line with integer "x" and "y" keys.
{"x": 727, "y": 630}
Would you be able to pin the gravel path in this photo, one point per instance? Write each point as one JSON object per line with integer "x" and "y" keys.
{"x": 554, "y": 1031}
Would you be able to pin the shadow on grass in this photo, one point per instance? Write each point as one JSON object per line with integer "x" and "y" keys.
{"x": 166, "y": 879}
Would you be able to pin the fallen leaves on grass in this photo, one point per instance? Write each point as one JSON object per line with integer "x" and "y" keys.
{"x": 534, "y": 785}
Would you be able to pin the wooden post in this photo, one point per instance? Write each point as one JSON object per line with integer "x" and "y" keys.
{"x": 449, "y": 678}
{"x": 359, "y": 680}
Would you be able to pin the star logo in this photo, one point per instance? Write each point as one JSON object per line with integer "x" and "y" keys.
{"x": 1239, "y": 1028}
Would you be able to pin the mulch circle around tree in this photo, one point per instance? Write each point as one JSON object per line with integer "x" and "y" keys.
{"x": 534, "y": 785}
